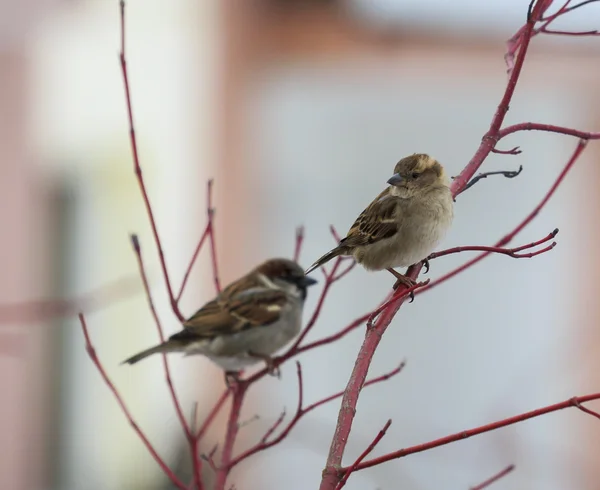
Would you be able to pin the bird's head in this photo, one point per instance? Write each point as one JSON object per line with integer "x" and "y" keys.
{"x": 287, "y": 275}
{"x": 416, "y": 174}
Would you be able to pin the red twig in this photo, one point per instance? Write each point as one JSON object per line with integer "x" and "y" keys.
{"x": 208, "y": 231}
{"x": 138, "y": 170}
{"x": 495, "y": 478}
{"x": 511, "y": 252}
{"x": 302, "y": 411}
{"x": 196, "y": 463}
{"x": 239, "y": 391}
{"x": 571, "y": 402}
{"x": 364, "y": 454}
{"x": 513, "y": 151}
{"x": 298, "y": 243}
{"x": 211, "y": 237}
{"x": 329, "y": 280}
{"x": 211, "y": 416}
{"x": 529, "y": 126}
{"x": 570, "y": 33}
{"x": 192, "y": 261}
{"x": 94, "y": 358}
{"x": 138, "y": 253}
{"x": 273, "y": 427}
{"x": 584, "y": 409}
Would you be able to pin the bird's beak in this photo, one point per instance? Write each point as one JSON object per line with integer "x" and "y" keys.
{"x": 395, "y": 179}
{"x": 307, "y": 281}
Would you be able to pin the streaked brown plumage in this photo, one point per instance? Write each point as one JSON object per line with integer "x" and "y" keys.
{"x": 250, "y": 320}
{"x": 403, "y": 223}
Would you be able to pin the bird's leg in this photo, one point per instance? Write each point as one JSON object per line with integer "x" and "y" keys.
{"x": 271, "y": 368}
{"x": 232, "y": 378}
{"x": 425, "y": 263}
{"x": 402, "y": 280}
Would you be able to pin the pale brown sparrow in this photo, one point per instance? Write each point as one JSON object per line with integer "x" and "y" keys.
{"x": 404, "y": 223}
{"x": 249, "y": 321}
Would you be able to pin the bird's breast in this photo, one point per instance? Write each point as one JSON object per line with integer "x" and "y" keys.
{"x": 420, "y": 229}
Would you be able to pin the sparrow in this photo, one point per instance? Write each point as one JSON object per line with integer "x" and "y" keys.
{"x": 404, "y": 223}
{"x": 249, "y": 321}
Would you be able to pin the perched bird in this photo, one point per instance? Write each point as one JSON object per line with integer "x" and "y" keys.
{"x": 249, "y": 321}
{"x": 404, "y": 223}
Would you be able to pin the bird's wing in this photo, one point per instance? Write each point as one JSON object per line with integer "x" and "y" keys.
{"x": 237, "y": 308}
{"x": 378, "y": 221}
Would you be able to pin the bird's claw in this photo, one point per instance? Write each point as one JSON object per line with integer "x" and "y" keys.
{"x": 425, "y": 263}
{"x": 272, "y": 368}
{"x": 408, "y": 283}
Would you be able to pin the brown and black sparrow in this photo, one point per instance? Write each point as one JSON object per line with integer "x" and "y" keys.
{"x": 404, "y": 223}
{"x": 249, "y": 321}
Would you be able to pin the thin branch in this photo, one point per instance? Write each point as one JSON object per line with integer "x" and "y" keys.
{"x": 138, "y": 253}
{"x": 273, "y": 427}
{"x": 570, "y": 33}
{"x": 298, "y": 243}
{"x": 94, "y": 358}
{"x": 530, "y": 126}
{"x": 509, "y": 174}
{"x": 495, "y": 478}
{"x": 585, "y": 409}
{"x": 571, "y": 402}
{"x": 211, "y": 237}
{"x": 511, "y": 252}
{"x": 329, "y": 281}
{"x": 207, "y": 231}
{"x": 364, "y": 454}
{"x": 211, "y": 415}
{"x": 239, "y": 391}
{"x": 138, "y": 170}
{"x": 513, "y": 151}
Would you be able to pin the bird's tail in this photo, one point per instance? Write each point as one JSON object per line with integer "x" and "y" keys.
{"x": 326, "y": 258}
{"x": 164, "y": 347}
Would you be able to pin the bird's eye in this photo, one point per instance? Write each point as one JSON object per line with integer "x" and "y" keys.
{"x": 415, "y": 175}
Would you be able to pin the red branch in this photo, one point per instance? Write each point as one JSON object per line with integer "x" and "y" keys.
{"x": 93, "y": 356}
{"x": 465, "y": 434}
{"x": 233, "y": 426}
{"x": 211, "y": 416}
{"x": 138, "y": 170}
{"x": 515, "y": 253}
{"x": 529, "y": 126}
{"x": 364, "y": 454}
{"x": 208, "y": 230}
{"x": 495, "y": 478}
{"x": 211, "y": 237}
{"x": 196, "y": 464}
{"x": 298, "y": 243}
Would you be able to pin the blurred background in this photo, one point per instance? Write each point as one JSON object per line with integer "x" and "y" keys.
{"x": 299, "y": 109}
